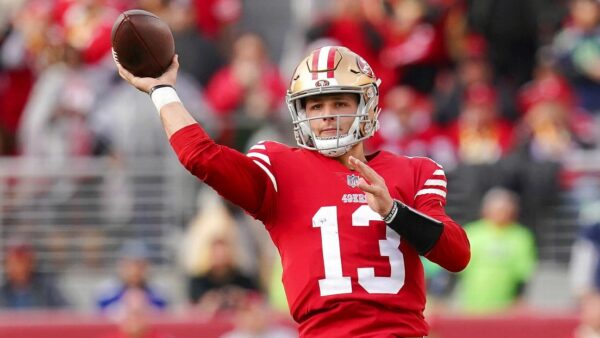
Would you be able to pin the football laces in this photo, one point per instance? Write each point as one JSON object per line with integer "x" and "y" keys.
{"x": 115, "y": 56}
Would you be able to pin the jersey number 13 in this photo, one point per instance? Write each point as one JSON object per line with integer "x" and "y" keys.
{"x": 335, "y": 282}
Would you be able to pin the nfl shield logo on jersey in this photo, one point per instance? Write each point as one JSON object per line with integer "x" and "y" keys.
{"x": 352, "y": 180}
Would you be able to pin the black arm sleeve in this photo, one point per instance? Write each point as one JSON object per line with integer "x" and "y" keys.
{"x": 418, "y": 229}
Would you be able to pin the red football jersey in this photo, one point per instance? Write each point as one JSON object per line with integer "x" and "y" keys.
{"x": 345, "y": 273}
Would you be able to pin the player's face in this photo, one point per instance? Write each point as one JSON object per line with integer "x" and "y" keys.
{"x": 327, "y": 107}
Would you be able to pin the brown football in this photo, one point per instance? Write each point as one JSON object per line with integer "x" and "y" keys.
{"x": 142, "y": 43}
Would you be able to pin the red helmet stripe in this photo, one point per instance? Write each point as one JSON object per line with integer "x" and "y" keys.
{"x": 331, "y": 61}
{"x": 315, "y": 63}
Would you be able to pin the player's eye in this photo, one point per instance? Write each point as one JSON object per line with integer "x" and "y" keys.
{"x": 315, "y": 106}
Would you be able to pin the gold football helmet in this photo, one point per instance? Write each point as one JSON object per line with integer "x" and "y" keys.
{"x": 328, "y": 70}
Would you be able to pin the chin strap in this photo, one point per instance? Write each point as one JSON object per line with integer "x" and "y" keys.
{"x": 337, "y": 152}
{"x": 418, "y": 229}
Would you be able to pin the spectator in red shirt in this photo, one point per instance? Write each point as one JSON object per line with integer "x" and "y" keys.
{"x": 250, "y": 87}
{"x": 405, "y": 122}
{"x": 413, "y": 46}
{"x": 407, "y": 128}
{"x": 451, "y": 85}
{"x": 216, "y": 17}
{"x": 360, "y": 26}
{"x": 549, "y": 86}
{"x": 480, "y": 135}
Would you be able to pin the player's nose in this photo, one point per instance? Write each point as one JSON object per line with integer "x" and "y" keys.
{"x": 328, "y": 112}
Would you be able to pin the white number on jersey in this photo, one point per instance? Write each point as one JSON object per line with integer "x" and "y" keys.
{"x": 334, "y": 282}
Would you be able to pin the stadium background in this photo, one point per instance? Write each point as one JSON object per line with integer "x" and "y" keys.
{"x": 85, "y": 166}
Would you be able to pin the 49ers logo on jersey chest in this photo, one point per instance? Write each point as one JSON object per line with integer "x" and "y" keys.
{"x": 354, "y": 198}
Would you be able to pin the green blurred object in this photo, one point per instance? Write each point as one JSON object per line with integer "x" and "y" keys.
{"x": 502, "y": 258}
{"x": 431, "y": 269}
{"x": 277, "y": 297}
{"x": 586, "y": 55}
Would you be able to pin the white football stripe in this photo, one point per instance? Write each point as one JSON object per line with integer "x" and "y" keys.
{"x": 258, "y": 146}
{"x": 268, "y": 172}
{"x": 439, "y": 172}
{"x": 323, "y": 53}
{"x": 263, "y": 157}
{"x": 431, "y": 191}
{"x": 440, "y": 183}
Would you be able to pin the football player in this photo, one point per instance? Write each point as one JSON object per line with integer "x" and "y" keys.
{"x": 349, "y": 226}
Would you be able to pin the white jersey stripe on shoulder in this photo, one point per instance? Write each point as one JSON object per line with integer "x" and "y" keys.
{"x": 263, "y": 157}
{"x": 258, "y": 146}
{"x": 268, "y": 172}
{"x": 431, "y": 191}
{"x": 439, "y": 172}
{"x": 431, "y": 182}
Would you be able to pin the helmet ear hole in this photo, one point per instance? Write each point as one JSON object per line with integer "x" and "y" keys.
{"x": 302, "y": 103}
{"x": 306, "y": 133}
{"x": 366, "y": 129}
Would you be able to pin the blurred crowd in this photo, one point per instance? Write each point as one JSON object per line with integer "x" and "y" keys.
{"x": 500, "y": 92}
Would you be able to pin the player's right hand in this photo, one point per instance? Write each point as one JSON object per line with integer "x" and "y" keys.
{"x": 169, "y": 77}
{"x": 378, "y": 195}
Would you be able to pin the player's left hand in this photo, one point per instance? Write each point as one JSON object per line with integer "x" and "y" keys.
{"x": 378, "y": 196}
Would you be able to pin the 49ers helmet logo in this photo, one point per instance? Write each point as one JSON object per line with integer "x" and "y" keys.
{"x": 364, "y": 67}
{"x": 322, "y": 83}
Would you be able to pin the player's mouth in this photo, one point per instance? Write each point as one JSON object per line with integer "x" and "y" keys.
{"x": 329, "y": 132}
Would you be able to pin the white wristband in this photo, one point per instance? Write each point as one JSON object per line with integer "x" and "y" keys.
{"x": 162, "y": 96}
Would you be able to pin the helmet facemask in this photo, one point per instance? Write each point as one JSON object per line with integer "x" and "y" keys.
{"x": 334, "y": 70}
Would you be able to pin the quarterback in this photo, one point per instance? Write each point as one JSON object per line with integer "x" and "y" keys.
{"x": 349, "y": 226}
